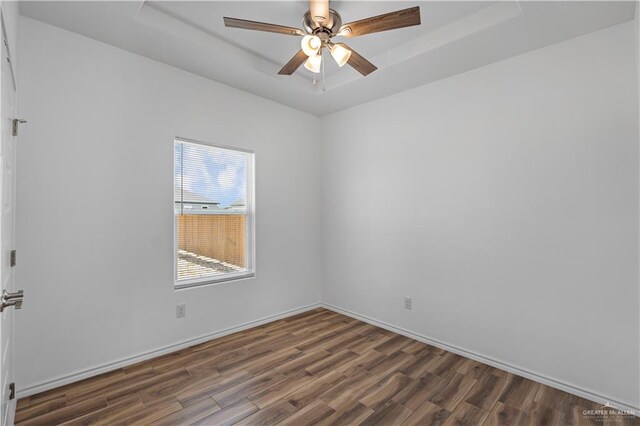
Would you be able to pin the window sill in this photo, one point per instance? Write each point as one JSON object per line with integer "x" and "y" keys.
{"x": 182, "y": 285}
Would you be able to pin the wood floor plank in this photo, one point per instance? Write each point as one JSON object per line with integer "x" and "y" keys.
{"x": 322, "y": 341}
{"x": 519, "y": 393}
{"x": 448, "y": 365}
{"x": 503, "y": 415}
{"x": 229, "y": 415}
{"x": 164, "y": 389}
{"x": 396, "y": 343}
{"x": 466, "y": 414}
{"x": 486, "y": 391}
{"x": 281, "y": 389}
{"x": 149, "y": 415}
{"x": 390, "y": 387}
{"x": 373, "y": 339}
{"x": 395, "y": 362}
{"x": 271, "y": 415}
{"x": 243, "y": 360}
{"x": 420, "y": 390}
{"x": 309, "y": 393}
{"x": 87, "y": 390}
{"x": 454, "y": 392}
{"x": 68, "y": 412}
{"x": 189, "y": 415}
{"x": 313, "y": 414}
{"x": 274, "y": 359}
{"x": 332, "y": 362}
{"x": 298, "y": 364}
{"x": 420, "y": 364}
{"x": 345, "y": 341}
{"x": 247, "y": 388}
{"x": 276, "y": 342}
{"x": 109, "y": 414}
{"x": 473, "y": 368}
{"x": 347, "y": 391}
{"x": 350, "y": 415}
{"x": 141, "y": 386}
{"x": 204, "y": 387}
{"x": 311, "y": 329}
{"x": 361, "y": 363}
{"x": 391, "y": 413}
{"x": 416, "y": 347}
{"x": 85, "y": 386}
{"x": 318, "y": 367}
{"x": 428, "y": 414}
{"x": 209, "y": 366}
{"x": 23, "y": 403}
{"x": 542, "y": 415}
{"x": 35, "y": 410}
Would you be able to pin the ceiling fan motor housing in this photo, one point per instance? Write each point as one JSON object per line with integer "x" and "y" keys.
{"x": 331, "y": 28}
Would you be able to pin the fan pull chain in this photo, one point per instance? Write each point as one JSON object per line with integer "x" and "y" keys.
{"x": 324, "y": 87}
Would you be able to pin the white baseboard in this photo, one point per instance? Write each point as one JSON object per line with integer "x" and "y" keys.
{"x": 124, "y": 362}
{"x": 566, "y": 387}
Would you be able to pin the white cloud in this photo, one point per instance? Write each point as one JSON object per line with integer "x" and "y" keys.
{"x": 214, "y": 173}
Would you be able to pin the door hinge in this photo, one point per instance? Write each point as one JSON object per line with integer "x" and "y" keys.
{"x": 14, "y": 127}
{"x": 12, "y": 260}
{"x": 12, "y": 391}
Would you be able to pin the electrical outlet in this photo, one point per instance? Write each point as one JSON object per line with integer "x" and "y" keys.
{"x": 407, "y": 303}
{"x": 181, "y": 310}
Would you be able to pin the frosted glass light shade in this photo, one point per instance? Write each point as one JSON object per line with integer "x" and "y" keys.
{"x": 313, "y": 63}
{"x": 310, "y": 45}
{"x": 340, "y": 54}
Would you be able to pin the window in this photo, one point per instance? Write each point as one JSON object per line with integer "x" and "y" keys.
{"x": 213, "y": 202}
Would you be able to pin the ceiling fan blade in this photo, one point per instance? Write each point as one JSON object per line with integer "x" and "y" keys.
{"x": 388, "y": 21}
{"x": 293, "y": 64}
{"x": 319, "y": 11}
{"x": 262, "y": 26}
{"x": 358, "y": 62}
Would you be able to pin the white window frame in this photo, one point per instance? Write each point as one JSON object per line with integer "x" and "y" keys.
{"x": 249, "y": 244}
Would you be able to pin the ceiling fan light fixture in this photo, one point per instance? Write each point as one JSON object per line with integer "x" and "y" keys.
{"x": 310, "y": 45}
{"x": 321, "y": 24}
{"x": 340, "y": 54}
{"x": 313, "y": 63}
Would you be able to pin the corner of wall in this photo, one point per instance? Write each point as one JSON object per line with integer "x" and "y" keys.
{"x": 321, "y": 240}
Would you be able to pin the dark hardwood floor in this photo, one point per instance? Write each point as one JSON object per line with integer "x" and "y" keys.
{"x": 318, "y": 367}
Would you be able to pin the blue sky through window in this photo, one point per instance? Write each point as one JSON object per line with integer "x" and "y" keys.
{"x": 215, "y": 173}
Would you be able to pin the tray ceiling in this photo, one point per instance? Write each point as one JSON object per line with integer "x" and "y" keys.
{"x": 454, "y": 37}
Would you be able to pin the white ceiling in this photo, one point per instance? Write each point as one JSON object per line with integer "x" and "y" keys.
{"x": 454, "y": 37}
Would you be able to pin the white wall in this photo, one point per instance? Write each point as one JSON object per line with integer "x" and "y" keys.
{"x": 504, "y": 201}
{"x": 95, "y": 204}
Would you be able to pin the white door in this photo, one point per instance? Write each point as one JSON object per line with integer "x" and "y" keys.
{"x": 7, "y": 234}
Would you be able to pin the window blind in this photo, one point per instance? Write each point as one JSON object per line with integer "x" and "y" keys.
{"x": 211, "y": 185}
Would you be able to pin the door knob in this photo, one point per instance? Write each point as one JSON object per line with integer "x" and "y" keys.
{"x": 11, "y": 299}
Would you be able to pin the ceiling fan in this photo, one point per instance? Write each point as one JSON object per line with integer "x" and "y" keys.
{"x": 321, "y": 24}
